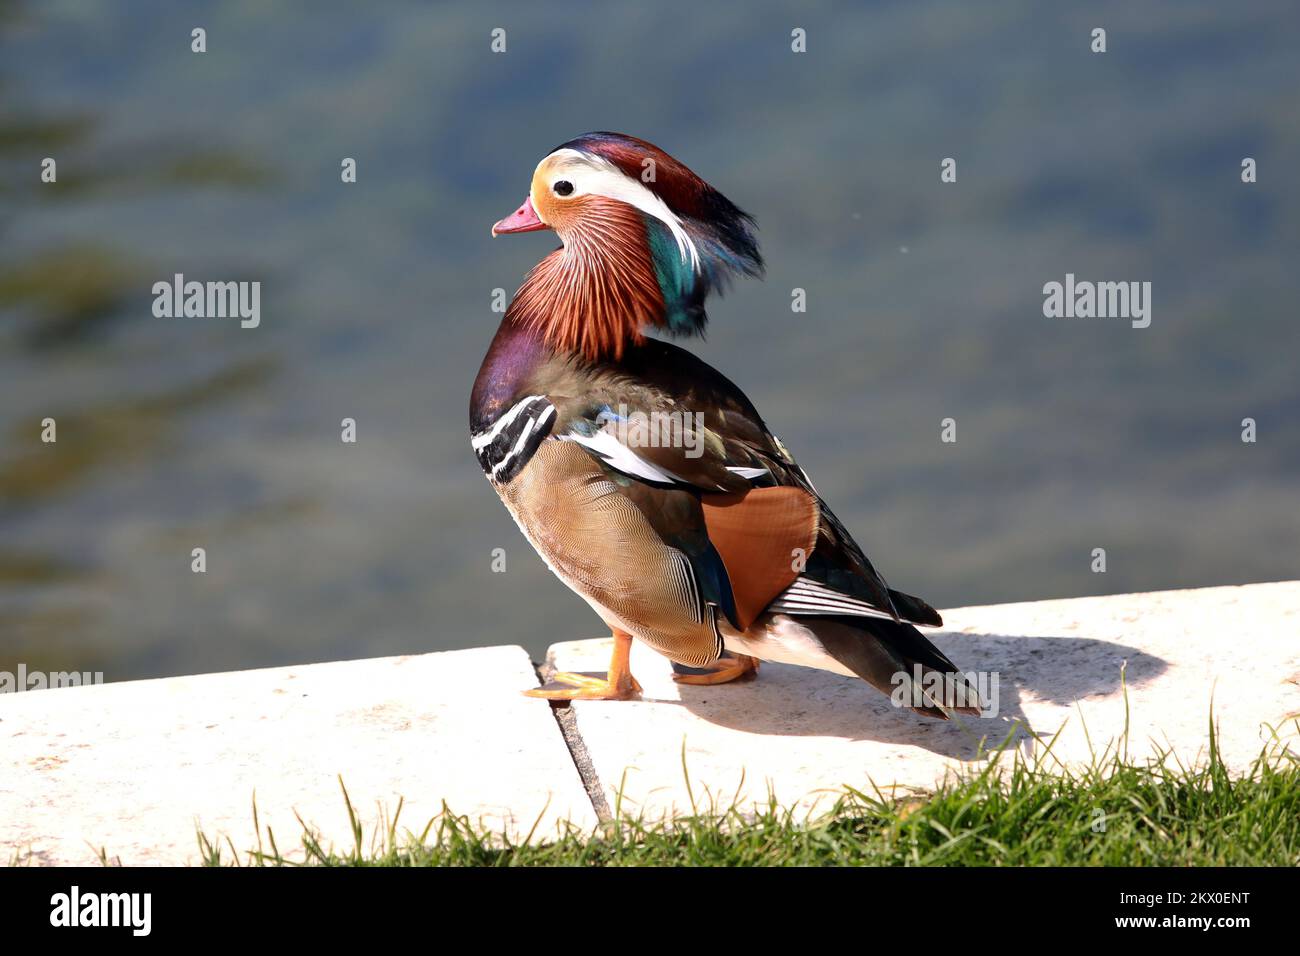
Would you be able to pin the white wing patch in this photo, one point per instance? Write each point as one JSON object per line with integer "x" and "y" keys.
{"x": 806, "y": 596}
{"x": 622, "y": 458}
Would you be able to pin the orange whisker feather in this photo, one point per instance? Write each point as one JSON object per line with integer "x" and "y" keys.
{"x": 599, "y": 291}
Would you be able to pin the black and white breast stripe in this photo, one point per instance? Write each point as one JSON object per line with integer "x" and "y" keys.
{"x": 507, "y": 444}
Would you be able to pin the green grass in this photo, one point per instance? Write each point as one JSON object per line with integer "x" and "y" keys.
{"x": 1010, "y": 813}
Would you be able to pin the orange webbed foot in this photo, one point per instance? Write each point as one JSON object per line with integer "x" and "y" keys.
{"x": 618, "y": 685}
{"x": 587, "y": 687}
{"x": 723, "y": 671}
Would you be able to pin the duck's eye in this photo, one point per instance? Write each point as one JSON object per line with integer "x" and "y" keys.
{"x": 563, "y": 187}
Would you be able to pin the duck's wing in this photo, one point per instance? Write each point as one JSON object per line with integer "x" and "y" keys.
{"x": 666, "y": 423}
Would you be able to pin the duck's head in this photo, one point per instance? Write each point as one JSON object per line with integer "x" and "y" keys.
{"x": 645, "y": 241}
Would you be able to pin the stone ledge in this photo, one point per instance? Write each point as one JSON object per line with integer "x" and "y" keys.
{"x": 135, "y": 767}
{"x": 806, "y": 733}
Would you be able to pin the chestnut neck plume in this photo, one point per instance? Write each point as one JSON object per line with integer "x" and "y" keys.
{"x": 595, "y": 294}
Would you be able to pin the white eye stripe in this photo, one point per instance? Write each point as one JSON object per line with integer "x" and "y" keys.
{"x": 597, "y": 176}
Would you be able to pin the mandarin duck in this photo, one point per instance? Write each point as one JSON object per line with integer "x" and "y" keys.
{"x": 645, "y": 479}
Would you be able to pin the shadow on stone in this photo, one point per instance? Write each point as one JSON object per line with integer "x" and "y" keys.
{"x": 796, "y": 701}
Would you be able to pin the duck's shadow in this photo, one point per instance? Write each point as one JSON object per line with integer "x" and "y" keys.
{"x": 797, "y": 701}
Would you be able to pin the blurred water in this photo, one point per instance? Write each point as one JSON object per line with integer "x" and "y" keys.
{"x": 924, "y": 300}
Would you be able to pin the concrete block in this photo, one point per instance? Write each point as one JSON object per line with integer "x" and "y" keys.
{"x": 806, "y": 733}
{"x": 135, "y": 767}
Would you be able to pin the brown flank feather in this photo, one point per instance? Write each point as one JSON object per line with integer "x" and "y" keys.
{"x": 759, "y": 535}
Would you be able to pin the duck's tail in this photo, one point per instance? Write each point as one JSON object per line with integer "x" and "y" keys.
{"x": 897, "y": 660}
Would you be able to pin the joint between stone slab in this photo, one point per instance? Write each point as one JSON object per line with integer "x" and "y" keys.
{"x": 567, "y": 721}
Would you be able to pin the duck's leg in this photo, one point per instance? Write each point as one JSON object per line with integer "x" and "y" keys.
{"x": 619, "y": 684}
{"x": 722, "y": 671}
